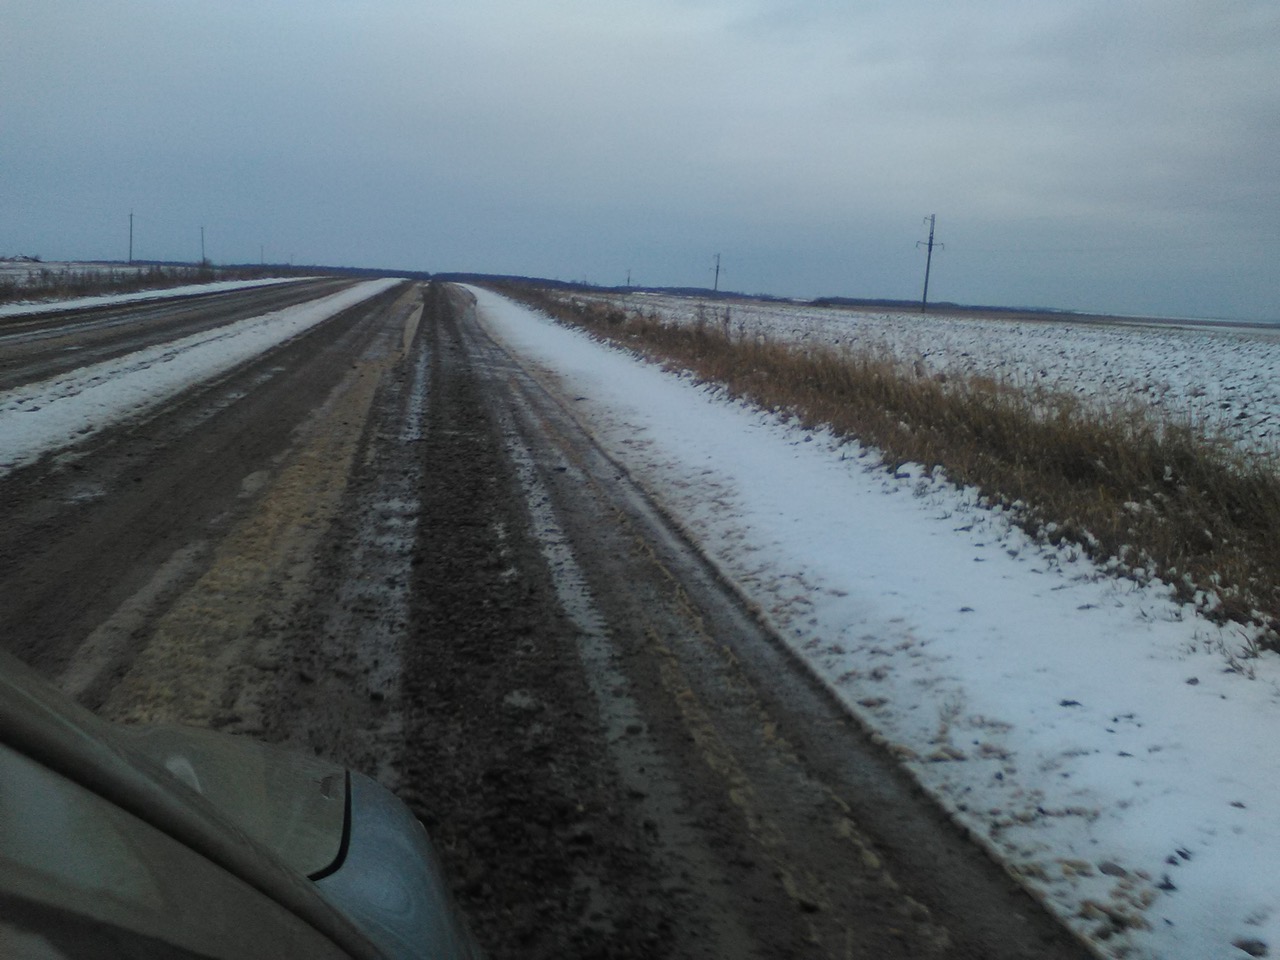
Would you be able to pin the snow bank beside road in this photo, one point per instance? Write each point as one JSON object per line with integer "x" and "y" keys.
{"x": 1089, "y": 730}
{"x": 38, "y": 418}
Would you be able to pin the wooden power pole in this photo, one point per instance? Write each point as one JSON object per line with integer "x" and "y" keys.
{"x": 928, "y": 260}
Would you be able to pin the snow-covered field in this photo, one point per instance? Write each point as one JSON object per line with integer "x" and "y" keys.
{"x": 1110, "y": 746}
{"x": 42, "y": 417}
{"x": 1219, "y": 377}
{"x": 19, "y": 269}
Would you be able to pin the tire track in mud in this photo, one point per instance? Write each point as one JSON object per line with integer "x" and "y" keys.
{"x": 605, "y": 774}
{"x": 505, "y": 761}
{"x": 99, "y": 541}
{"x": 441, "y": 581}
{"x": 212, "y": 655}
{"x": 341, "y": 693}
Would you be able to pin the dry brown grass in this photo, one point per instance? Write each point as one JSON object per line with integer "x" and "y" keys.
{"x": 1159, "y": 496}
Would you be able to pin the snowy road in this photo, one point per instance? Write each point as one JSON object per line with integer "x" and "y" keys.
{"x": 40, "y": 340}
{"x": 363, "y": 527}
{"x": 120, "y": 362}
{"x": 371, "y": 531}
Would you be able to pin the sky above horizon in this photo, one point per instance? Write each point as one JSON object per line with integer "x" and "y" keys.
{"x": 1108, "y": 155}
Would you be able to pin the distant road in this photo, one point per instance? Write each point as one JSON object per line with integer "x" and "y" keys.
{"x": 39, "y": 346}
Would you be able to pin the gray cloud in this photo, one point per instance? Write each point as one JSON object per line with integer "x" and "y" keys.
{"x": 1078, "y": 154}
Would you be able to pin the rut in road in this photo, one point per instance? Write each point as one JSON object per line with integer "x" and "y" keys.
{"x": 96, "y": 541}
{"x": 390, "y": 543}
{"x": 613, "y": 755}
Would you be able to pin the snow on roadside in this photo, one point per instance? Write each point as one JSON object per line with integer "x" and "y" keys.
{"x": 1089, "y": 730}
{"x": 38, "y": 418}
{"x": 190, "y": 289}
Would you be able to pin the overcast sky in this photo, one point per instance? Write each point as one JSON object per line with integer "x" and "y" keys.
{"x": 1087, "y": 154}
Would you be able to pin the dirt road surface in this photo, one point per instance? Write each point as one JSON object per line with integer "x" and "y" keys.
{"x": 389, "y": 543}
{"x": 41, "y": 345}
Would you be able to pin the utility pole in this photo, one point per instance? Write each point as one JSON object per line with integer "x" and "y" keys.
{"x": 924, "y": 301}
{"x": 628, "y": 277}
{"x": 716, "y": 286}
{"x": 131, "y": 236}
{"x": 202, "y": 245}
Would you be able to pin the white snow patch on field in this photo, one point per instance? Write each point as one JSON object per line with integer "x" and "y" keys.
{"x": 38, "y": 418}
{"x": 1086, "y": 728}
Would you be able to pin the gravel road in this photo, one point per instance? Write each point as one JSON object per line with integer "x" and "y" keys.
{"x": 389, "y": 543}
